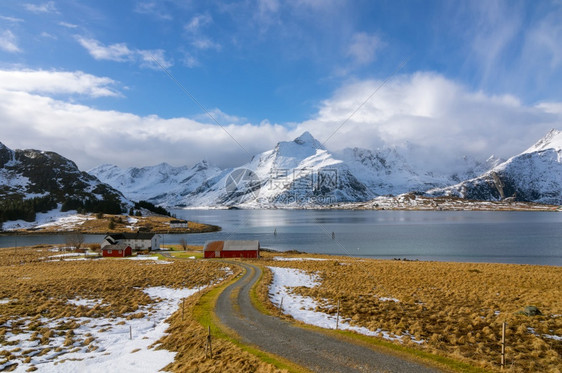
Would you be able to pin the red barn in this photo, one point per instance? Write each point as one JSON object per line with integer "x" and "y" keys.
{"x": 232, "y": 249}
{"x": 117, "y": 251}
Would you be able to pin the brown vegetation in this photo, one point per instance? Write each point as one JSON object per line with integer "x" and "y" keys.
{"x": 456, "y": 308}
{"x": 38, "y": 293}
{"x": 106, "y": 223}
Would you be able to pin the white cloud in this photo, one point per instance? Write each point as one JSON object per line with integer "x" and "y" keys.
{"x": 11, "y": 19}
{"x": 494, "y": 29}
{"x": 190, "y": 61}
{"x": 68, "y": 25}
{"x": 47, "y": 35}
{"x": 204, "y": 43}
{"x": 154, "y": 59}
{"x": 120, "y": 52}
{"x": 8, "y": 42}
{"x": 91, "y": 137}
{"x": 56, "y": 82}
{"x": 198, "y": 22}
{"x": 439, "y": 116}
{"x": 115, "y": 52}
{"x": 431, "y": 111}
{"x": 363, "y": 47}
{"x": 195, "y": 33}
{"x": 153, "y": 9}
{"x": 48, "y": 7}
{"x": 543, "y": 41}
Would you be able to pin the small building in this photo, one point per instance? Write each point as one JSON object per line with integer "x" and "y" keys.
{"x": 178, "y": 223}
{"x": 232, "y": 249}
{"x": 139, "y": 241}
{"x": 118, "y": 250}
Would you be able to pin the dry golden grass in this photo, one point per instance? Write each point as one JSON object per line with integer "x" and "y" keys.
{"x": 39, "y": 292}
{"x": 456, "y": 308}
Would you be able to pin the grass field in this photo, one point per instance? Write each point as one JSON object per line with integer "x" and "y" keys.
{"x": 457, "y": 309}
{"x": 46, "y": 301}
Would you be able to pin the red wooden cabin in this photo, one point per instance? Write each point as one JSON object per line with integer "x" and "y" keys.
{"x": 232, "y": 249}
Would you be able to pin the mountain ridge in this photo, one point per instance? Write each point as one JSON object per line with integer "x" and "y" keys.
{"x": 534, "y": 175}
{"x": 301, "y": 172}
{"x": 36, "y": 181}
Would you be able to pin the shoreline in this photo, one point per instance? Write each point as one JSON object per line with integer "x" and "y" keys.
{"x": 94, "y": 224}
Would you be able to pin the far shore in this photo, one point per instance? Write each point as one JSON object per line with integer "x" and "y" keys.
{"x": 108, "y": 224}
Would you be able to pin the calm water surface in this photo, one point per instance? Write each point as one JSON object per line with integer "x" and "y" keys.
{"x": 461, "y": 236}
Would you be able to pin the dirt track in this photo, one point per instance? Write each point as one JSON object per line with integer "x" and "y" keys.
{"x": 311, "y": 349}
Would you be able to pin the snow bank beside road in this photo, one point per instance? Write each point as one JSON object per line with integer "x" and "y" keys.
{"x": 303, "y": 308}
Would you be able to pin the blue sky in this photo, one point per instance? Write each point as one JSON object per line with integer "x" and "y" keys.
{"x": 86, "y": 78}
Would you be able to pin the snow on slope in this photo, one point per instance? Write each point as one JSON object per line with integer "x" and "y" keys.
{"x": 535, "y": 175}
{"x": 295, "y": 173}
{"x": 33, "y": 173}
{"x": 160, "y": 184}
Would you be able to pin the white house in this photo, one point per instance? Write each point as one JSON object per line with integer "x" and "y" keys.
{"x": 137, "y": 241}
{"x": 178, "y": 223}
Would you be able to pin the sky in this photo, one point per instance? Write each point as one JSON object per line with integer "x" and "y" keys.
{"x": 140, "y": 82}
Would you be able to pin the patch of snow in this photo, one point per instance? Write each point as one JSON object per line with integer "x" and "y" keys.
{"x": 66, "y": 220}
{"x": 551, "y": 336}
{"x": 284, "y": 259}
{"x": 121, "y": 345}
{"x": 303, "y": 308}
{"x": 148, "y": 257}
{"x": 90, "y": 303}
{"x": 5, "y": 300}
{"x": 65, "y": 255}
{"x": 388, "y": 299}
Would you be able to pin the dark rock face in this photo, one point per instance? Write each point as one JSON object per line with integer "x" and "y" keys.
{"x": 32, "y": 173}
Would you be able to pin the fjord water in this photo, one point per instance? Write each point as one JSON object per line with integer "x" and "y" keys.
{"x": 459, "y": 236}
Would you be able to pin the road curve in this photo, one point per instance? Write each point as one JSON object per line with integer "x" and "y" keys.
{"x": 308, "y": 348}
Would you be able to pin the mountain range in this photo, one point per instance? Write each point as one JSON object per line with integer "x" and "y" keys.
{"x": 534, "y": 175}
{"x": 303, "y": 173}
{"x": 298, "y": 173}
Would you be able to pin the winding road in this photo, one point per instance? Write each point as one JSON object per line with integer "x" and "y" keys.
{"x": 311, "y": 349}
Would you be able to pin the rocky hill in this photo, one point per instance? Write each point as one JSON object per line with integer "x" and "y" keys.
{"x": 34, "y": 180}
{"x": 535, "y": 175}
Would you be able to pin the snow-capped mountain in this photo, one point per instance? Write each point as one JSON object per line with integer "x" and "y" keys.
{"x": 389, "y": 171}
{"x": 295, "y": 173}
{"x": 534, "y": 175}
{"x": 161, "y": 184}
{"x": 51, "y": 179}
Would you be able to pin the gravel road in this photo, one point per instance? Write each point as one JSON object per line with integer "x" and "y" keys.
{"x": 313, "y": 350}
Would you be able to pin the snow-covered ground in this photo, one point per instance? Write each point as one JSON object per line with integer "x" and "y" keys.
{"x": 65, "y": 220}
{"x": 117, "y": 344}
{"x": 303, "y": 308}
{"x": 148, "y": 257}
{"x": 285, "y": 259}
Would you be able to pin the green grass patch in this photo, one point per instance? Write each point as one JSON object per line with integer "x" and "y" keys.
{"x": 187, "y": 254}
{"x": 204, "y": 314}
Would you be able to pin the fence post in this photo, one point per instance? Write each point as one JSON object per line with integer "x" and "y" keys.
{"x": 209, "y": 343}
{"x": 130, "y": 332}
{"x": 502, "y": 364}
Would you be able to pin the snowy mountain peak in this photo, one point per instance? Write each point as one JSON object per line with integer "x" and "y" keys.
{"x": 307, "y": 139}
{"x": 552, "y": 140}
